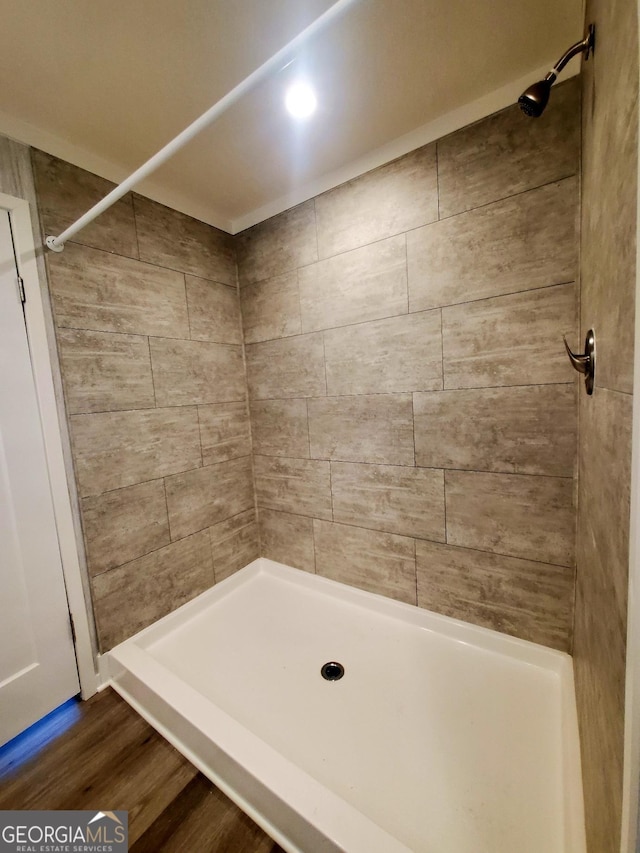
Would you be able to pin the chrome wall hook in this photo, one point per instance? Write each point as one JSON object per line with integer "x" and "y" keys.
{"x": 586, "y": 362}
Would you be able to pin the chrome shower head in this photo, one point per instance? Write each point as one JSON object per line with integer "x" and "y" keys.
{"x": 533, "y": 101}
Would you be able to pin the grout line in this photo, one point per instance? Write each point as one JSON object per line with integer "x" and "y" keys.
{"x": 153, "y": 382}
{"x": 200, "y": 436}
{"x": 409, "y": 467}
{"x": 442, "y": 348}
{"x": 186, "y": 302}
{"x": 438, "y": 180}
{"x": 444, "y": 494}
{"x": 365, "y": 395}
{"x": 135, "y": 224}
{"x": 166, "y": 503}
{"x": 324, "y": 359}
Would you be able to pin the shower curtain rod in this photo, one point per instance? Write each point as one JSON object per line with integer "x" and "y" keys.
{"x": 56, "y": 244}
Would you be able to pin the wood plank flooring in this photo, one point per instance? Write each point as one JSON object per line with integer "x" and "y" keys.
{"x": 112, "y": 759}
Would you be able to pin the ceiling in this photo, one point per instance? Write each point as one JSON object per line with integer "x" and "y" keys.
{"x": 105, "y": 85}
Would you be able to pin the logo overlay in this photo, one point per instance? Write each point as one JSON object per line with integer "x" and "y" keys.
{"x": 64, "y": 832}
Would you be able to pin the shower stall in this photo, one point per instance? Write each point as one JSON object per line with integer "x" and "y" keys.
{"x": 348, "y": 441}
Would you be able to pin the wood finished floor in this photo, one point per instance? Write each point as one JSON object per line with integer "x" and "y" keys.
{"x": 112, "y": 759}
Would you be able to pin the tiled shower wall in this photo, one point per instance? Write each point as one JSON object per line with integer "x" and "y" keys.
{"x": 609, "y": 223}
{"x": 413, "y": 411}
{"x": 149, "y": 337}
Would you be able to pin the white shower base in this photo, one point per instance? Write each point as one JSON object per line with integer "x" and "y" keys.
{"x": 441, "y": 737}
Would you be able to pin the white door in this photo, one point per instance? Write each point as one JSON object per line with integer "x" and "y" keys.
{"x": 37, "y": 659}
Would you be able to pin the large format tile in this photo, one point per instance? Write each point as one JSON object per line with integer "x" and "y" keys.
{"x": 530, "y": 600}
{"x": 66, "y": 192}
{"x": 280, "y": 428}
{"x": 224, "y": 432}
{"x": 187, "y": 372}
{"x": 172, "y": 239}
{"x": 396, "y": 499}
{"x": 609, "y": 187}
{"x": 507, "y": 153}
{"x": 512, "y": 514}
{"x": 520, "y": 243}
{"x": 214, "y": 311}
{"x": 104, "y": 372}
{"x": 124, "y": 524}
{"x": 205, "y": 496}
{"x": 95, "y": 290}
{"x": 377, "y": 562}
{"x": 299, "y": 486}
{"x": 365, "y": 284}
{"x": 135, "y": 595}
{"x": 522, "y": 430}
{"x": 375, "y": 428}
{"x": 290, "y": 367}
{"x": 385, "y": 356}
{"x": 278, "y": 245}
{"x": 389, "y": 200}
{"x": 287, "y": 539}
{"x": 271, "y": 308}
{"x": 116, "y": 449}
{"x": 601, "y": 601}
{"x": 510, "y": 340}
{"x": 234, "y": 544}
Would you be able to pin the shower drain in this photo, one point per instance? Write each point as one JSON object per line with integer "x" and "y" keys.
{"x": 332, "y": 671}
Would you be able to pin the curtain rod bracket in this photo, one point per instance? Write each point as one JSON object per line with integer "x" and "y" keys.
{"x": 52, "y": 243}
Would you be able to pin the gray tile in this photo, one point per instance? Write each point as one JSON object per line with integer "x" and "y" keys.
{"x": 389, "y": 200}
{"x": 124, "y": 524}
{"x": 189, "y": 372}
{"x": 365, "y": 284}
{"x": 214, "y": 311}
{"x": 287, "y": 539}
{"x": 385, "y": 356}
{"x": 133, "y": 596}
{"x": 290, "y": 367}
{"x": 375, "y": 428}
{"x": 104, "y": 371}
{"x": 95, "y": 290}
{"x": 234, "y": 544}
{"x": 116, "y": 449}
{"x": 609, "y": 186}
{"x": 510, "y": 340}
{"x": 522, "y": 430}
{"x": 533, "y": 601}
{"x": 524, "y": 242}
{"x": 601, "y": 601}
{"x": 512, "y": 514}
{"x": 396, "y": 499}
{"x": 205, "y": 496}
{"x": 506, "y": 153}
{"x": 280, "y": 428}
{"x": 172, "y": 239}
{"x": 377, "y": 562}
{"x": 278, "y": 245}
{"x": 271, "y": 308}
{"x": 66, "y": 192}
{"x": 299, "y": 486}
{"x": 608, "y": 303}
{"x": 224, "y": 432}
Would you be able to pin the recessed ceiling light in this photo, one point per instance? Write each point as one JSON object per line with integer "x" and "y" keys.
{"x": 301, "y": 100}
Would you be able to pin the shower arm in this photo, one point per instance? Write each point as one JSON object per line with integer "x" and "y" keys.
{"x": 585, "y": 46}
{"x": 276, "y": 62}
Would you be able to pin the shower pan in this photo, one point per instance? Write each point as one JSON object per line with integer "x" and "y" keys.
{"x": 340, "y": 720}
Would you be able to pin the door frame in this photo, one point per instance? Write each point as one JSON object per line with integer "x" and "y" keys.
{"x": 20, "y": 217}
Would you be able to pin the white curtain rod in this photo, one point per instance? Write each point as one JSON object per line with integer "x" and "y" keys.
{"x": 56, "y": 244}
